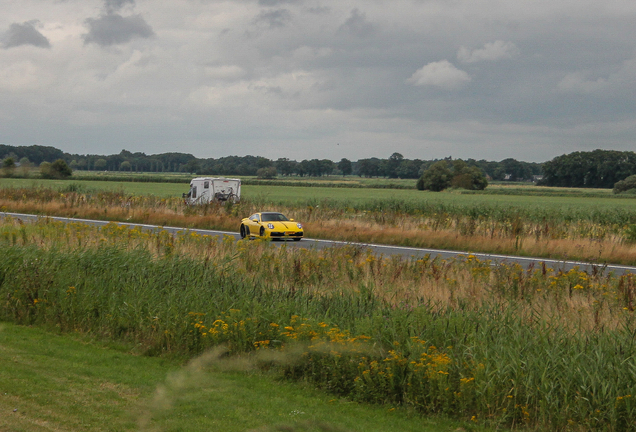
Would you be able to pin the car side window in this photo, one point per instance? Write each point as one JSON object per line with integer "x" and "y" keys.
{"x": 194, "y": 192}
{"x": 206, "y": 185}
{"x": 254, "y": 218}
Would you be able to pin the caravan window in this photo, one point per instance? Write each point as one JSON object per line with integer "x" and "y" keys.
{"x": 194, "y": 191}
{"x": 206, "y": 185}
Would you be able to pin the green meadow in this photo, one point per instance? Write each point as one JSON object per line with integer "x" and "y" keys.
{"x": 498, "y": 197}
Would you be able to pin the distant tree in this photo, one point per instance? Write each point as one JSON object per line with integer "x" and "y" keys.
{"x": 60, "y": 169}
{"x": 345, "y": 166}
{"x": 262, "y": 162}
{"x": 314, "y": 167}
{"x": 369, "y": 167}
{"x": 125, "y": 166}
{"x": 410, "y": 169}
{"x": 437, "y": 178}
{"x": 285, "y": 166}
{"x": 25, "y": 167}
{"x": 515, "y": 169}
{"x": 192, "y": 166}
{"x": 57, "y": 170}
{"x": 266, "y": 173}
{"x": 326, "y": 167}
{"x": 100, "y": 164}
{"x": 45, "y": 169}
{"x": 393, "y": 164}
{"x": 8, "y": 167}
{"x": 440, "y": 176}
{"x": 468, "y": 177}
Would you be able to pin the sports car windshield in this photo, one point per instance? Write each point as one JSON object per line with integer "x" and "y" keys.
{"x": 273, "y": 217}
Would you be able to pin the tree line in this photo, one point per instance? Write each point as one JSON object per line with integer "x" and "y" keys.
{"x": 395, "y": 166}
{"x": 593, "y": 169}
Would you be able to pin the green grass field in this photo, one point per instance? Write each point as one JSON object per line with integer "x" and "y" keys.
{"x": 51, "y": 382}
{"x": 351, "y": 197}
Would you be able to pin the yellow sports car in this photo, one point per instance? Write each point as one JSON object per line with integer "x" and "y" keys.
{"x": 271, "y": 225}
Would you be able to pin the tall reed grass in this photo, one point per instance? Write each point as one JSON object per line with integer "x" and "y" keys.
{"x": 505, "y": 346}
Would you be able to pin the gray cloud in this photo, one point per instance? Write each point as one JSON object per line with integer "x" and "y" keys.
{"x": 276, "y": 2}
{"x": 112, "y": 6}
{"x": 274, "y": 18}
{"x": 113, "y": 29}
{"x": 358, "y": 25}
{"x": 24, "y": 34}
{"x": 435, "y": 77}
{"x": 319, "y": 10}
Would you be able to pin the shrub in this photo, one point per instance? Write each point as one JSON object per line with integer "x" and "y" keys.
{"x": 267, "y": 173}
{"x": 439, "y": 177}
{"x": 625, "y": 185}
{"x": 56, "y": 170}
{"x": 471, "y": 178}
{"x": 8, "y": 167}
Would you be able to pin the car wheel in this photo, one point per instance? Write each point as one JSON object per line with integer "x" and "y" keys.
{"x": 262, "y": 232}
{"x": 242, "y": 231}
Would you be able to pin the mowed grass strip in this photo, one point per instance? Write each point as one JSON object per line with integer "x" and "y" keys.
{"x": 50, "y": 382}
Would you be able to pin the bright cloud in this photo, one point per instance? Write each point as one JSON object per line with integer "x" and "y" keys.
{"x": 440, "y": 74}
{"x": 491, "y": 51}
{"x": 576, "y": 82}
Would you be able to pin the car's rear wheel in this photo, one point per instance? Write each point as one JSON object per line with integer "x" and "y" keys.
{"x": 243, "y": 234}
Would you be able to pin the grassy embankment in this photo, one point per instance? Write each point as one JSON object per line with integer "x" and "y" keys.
{"x": 70, "y": 383}
{"x": 559, "y": 224}
{"x": 504, "y": 347}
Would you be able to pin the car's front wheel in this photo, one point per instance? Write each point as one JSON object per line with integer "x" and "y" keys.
{"x": 262, "y": 232}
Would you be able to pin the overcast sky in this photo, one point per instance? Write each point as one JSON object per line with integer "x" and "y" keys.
{"x": 303, "y": 79}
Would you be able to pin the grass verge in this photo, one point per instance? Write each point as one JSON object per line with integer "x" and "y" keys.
{"x": 50, "y": 382}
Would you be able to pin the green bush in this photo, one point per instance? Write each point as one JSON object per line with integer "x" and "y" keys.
{"x": 440, "y": 176}
{"x": 267, "y": 173}
{"x": 56, "y": 170}
{"x": 8, "y": 167}
{"x": 437, "y": 178}
{"x": 629, "y": 184}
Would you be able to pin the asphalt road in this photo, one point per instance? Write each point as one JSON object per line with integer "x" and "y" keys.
{"x": 385, "y": 250}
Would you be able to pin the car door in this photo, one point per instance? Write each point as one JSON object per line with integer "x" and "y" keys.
{"x": 253, "y": 225}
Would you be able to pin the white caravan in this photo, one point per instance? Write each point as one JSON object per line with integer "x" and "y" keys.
{"x": 204, "y": 190}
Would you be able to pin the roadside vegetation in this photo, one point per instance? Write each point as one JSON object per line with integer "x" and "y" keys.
{"x": 598, "y": 227}
{"x": 497, "y": 346}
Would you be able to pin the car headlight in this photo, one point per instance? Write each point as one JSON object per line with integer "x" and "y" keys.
{"x": 270, "y": 226}
{"x": 300, "y": 226}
